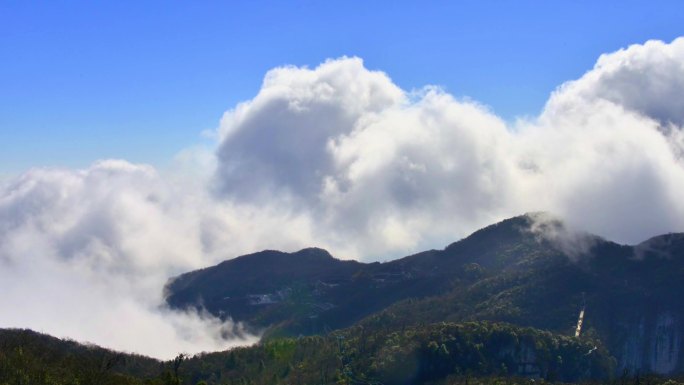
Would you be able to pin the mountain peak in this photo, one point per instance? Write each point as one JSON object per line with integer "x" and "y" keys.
{"x": 314, "y": 252}
{"x": 509, "y": 228}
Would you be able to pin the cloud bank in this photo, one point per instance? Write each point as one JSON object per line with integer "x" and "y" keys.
{"x": 337, "y": 156}
{"x": 85, "y": 254}
{"x": 381, "y": 170}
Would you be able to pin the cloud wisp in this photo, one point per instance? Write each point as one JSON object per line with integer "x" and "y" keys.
{"x": 340, "y": 157}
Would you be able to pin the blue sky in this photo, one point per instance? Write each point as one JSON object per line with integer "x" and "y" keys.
{"x": 81, "y": 81}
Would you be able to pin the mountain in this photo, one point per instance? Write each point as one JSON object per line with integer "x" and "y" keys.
{"x": 528, "y": 270}
{"x": 309, "y": 291}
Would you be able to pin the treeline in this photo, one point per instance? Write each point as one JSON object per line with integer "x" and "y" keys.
{"x": 28, "y": 358}
{"x": 438, "y": 354}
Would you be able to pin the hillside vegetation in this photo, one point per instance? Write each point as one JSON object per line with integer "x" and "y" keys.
{"x": 373, "y": 353}
{"x": 528, "y": 271}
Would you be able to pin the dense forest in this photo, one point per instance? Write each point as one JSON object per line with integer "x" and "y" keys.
{"x": 372, "y": 353}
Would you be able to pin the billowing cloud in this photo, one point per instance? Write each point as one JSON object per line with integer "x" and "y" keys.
{"x": 645, "y": 79}
{"x": 86, "y": 253}
{"x": 277, "y": 142}
{"x": 608, "y": 147}
{"x": 387, "y": 171}
{"x": 363, "y": 159}
{"x": 337, "y": 156}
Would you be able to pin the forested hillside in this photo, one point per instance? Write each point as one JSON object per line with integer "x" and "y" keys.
{"x": 371, "y": 354}
{"x": 528, "y": 270}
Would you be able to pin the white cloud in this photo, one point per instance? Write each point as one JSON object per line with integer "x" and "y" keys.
{"x": 86, "y": 253}
{"x": 643, "y": 78}
{"x": 352, "y": 151}
{"x": 390, "y": 172}
{"x": 337, "y": 156}
{"x": 608, "y": 146}
{"x": 277, "y": 141}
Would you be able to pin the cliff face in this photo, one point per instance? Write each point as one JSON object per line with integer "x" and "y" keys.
{"x": 653, "y": 344}
{"x": 525, "y": 358}
{"x": 642, "y": 295}
{"x": 665, "y": 345}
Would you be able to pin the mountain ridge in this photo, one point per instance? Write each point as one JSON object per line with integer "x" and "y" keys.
{"x": 524, "y": 270}
{"x": 419, "y": 269}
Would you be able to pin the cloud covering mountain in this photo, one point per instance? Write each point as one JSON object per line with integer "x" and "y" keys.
{"x": 338, "y": 156}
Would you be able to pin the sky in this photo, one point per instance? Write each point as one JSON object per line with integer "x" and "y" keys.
{"x": 142, "y": 140}
{"x": 82, "y": 81}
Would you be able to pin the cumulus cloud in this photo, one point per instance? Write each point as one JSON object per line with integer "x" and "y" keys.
{"x": 365, "y": 160}
{"x": 337, "y": 156}
{"x": 646, "y": 79}
{"x": 277, "y": 141}
{"x": 608, "y": 146}
{"x": 382, "y": 170}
